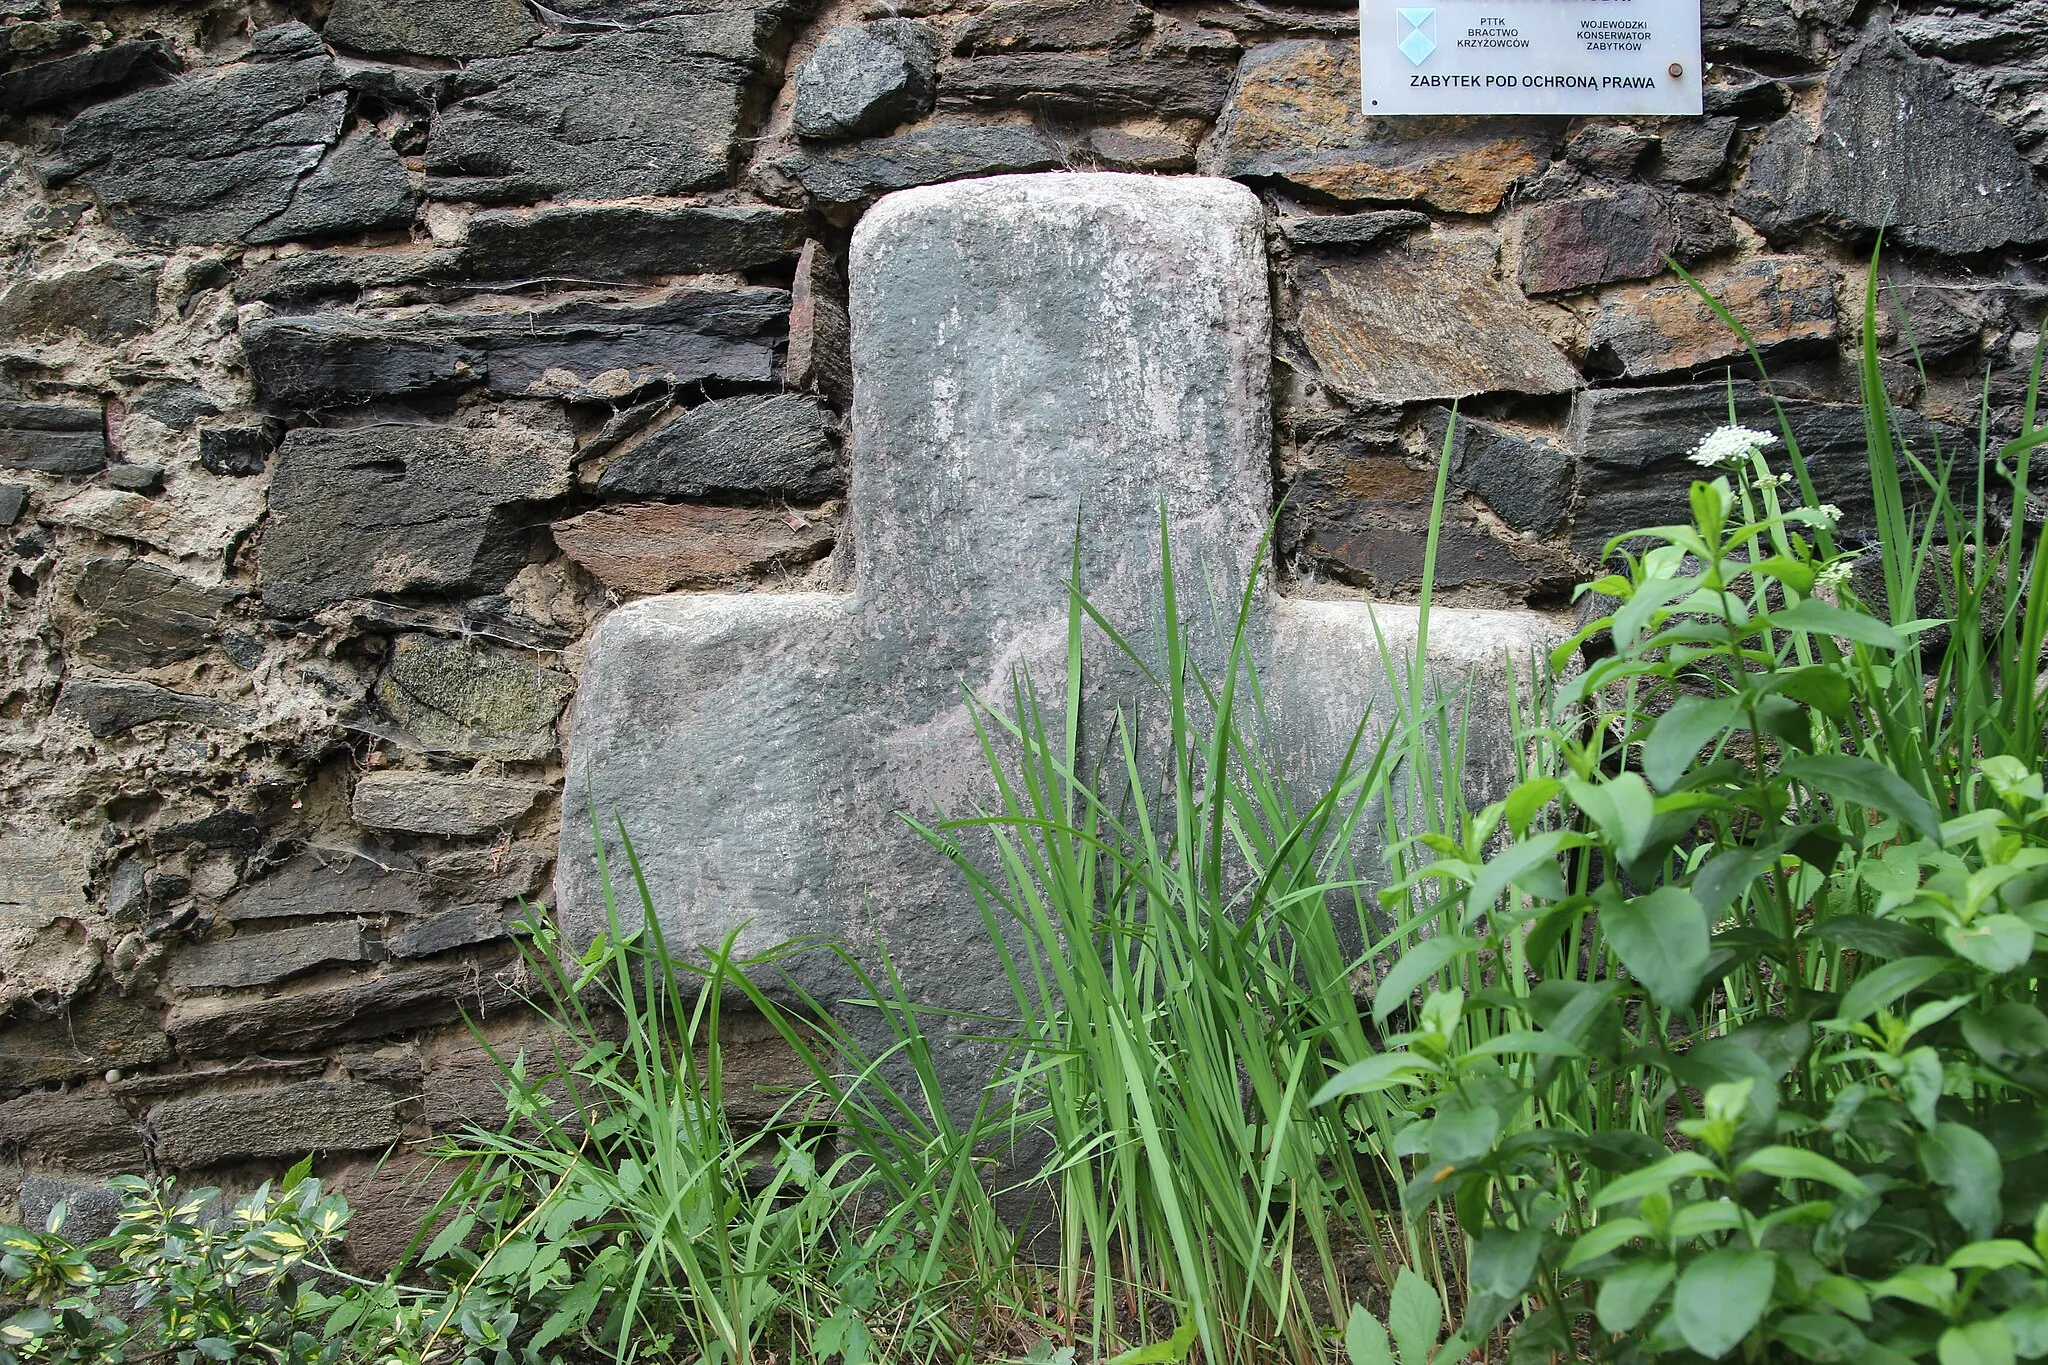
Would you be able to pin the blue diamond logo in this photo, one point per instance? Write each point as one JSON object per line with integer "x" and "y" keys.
{"x": 1418, "y": 39}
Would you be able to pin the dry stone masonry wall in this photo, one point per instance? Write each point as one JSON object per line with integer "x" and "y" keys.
{"x": 356, "y": 358}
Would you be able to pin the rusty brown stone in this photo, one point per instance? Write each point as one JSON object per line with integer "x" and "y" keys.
{"x": 1628, "y": 233}
{"x": 391, "y": 1203}
{"x": 1294, "y": 116}
{"x": 659, "y": 547}
{"x": 1781, "y": 300}
{"x": 1429, "y": 321}
{"x": 820, "y": 355}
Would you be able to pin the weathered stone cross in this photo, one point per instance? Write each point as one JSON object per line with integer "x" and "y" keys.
{"x": 1028, "y": 350}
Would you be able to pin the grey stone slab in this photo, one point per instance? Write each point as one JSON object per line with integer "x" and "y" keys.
{"x": 392, "y": 509}
{"x": 431, "y": 28}
{"x": 328, "y": 883}
{"x": 629, "y": 241}
{"x": 461, "y": 927}
{"x": 13, "y": 502}
{"x": 550, "y": 350}
{"x": 111, "y": 706}
{"x": 341, "y": 274}
{"x": 101, "y": 1032}
{"x": 1633, "y": 444}
{"x": 52, "y": 438}
{"x": 1525, "y": 479}
{"x": 439, "y": 803}
{"x": 85, "y": 1130}
{"x": 100, "y": 71}
{"x": 238, "y": 154}
{"x": 856, "y": 171}
{"x": 289, "y": 1122}
{"x": 107, "y": 302}
{"x": 865, "y": 79}
{"x": 458, "y": 698}
{"x": 327, "y": 1010}
{"x": 1898, "y": 148}
{"x": 265, "y": 957}
{"x": 1053, "y": 26}
{"x": 1100, "y": 84}
{"x": 1352, "y": 229}
{"x": 1425, "y": 320}
{"x": 1031, "y": 354}
{"x": 753, "y": 444}
{"x": 652, "y": 110}
{"x": 143, "y": 615}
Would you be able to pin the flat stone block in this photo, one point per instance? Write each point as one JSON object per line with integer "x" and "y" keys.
{"x": 436, "y": 803}
{"x": 287, "y": 1123}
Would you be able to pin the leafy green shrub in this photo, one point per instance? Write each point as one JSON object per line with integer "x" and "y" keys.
{"x": 620, "y": 1212}
{"x": 1728, "y": 1035}
{"x": 200, "y": 1283}
{"x": 1169, "y": 927}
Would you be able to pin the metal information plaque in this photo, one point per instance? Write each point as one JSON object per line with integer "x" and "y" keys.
{"x": 1531, "y": 57}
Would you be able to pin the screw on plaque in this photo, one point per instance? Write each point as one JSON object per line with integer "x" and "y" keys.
{"x": 1675, "y": 69}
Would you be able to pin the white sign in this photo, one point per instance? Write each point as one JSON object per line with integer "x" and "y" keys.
{"x": 1530, "y": 56}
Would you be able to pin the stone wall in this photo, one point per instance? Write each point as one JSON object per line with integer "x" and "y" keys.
{"x": 356, "y": 357}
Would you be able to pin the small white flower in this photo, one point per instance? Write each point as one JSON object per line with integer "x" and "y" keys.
{"x": 1834, "y": 575}
{"x": 1830, "y": 514}
{"x": 1774, "y": 481}
{"x": 1727, "y": 447}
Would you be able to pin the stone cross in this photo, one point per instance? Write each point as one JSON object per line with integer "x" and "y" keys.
{"x": 1031, "y": 353}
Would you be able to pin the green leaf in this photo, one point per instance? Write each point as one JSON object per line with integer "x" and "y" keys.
{"x": 1819, "y": 618}
{"x": 1858, "y": 781}
{"x": 1525, "y": 1042}
{"x": 1875, "y": 990}
{"x": 1663, "y": 939}
{"x": 1512, "y": 866}
{"x": 1820, "y": 1337}
{"x": 2028, "y": 1325}
{"x": 1381, "y": 1071}
{"x": 1172, "y": 1351}
{"x": 1996, "y": 1254}
{"x": 1415, "y": 1316}
{"x": 1978, "y": 1343}
{"x": 1721, "y": 1297}
{"x": 1622, "y": 807}
{"x": 1526, "y": 800}
{"x": 1793, "y": 1163}
{"x": 1609, "y": 1236}
{"x": 1656, "y": 1178}
{"x": 1464, "y": 1130}
{"x": 1416, "y": 966}
{"x": 1997, "y": 943}
{"x": 1930, "y": 1286}
{"x": 2006, "y": 1032}
{"x": 1365, "y": 1341}
{"x": 1503, "y": 1261}
{"x": 1630, "y": 1292}
{"x": 1881, "y": 939}
{"x": 1681, "y": 732}
{"x": 1703, "y": 1219}
{"x": 1821, "y": 686}
{"x": 449, "y": 1238}
{"x": 1964, "y": 1163}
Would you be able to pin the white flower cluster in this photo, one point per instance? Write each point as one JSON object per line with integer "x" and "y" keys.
{"x": 1727, "y": 447}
